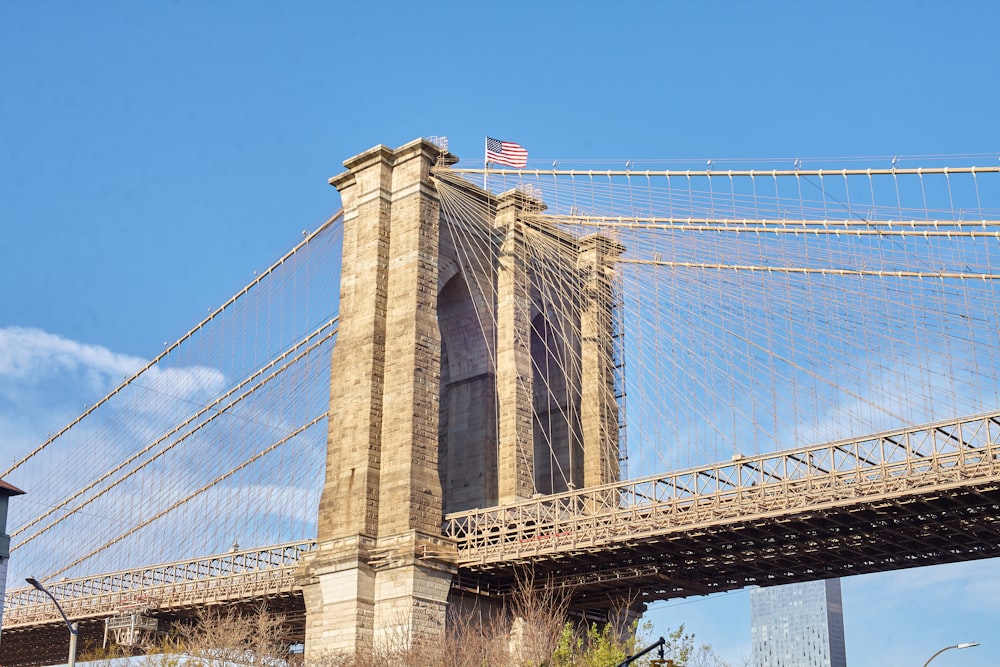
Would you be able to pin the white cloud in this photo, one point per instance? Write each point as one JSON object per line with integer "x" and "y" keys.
{"x": 190, "y": 381}
{"x": 27, "y": 353}
{"x": 45, "y": 382}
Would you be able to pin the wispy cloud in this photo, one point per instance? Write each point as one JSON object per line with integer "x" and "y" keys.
{"x": 28, "y": 354}
{"x": 46, "y": 380}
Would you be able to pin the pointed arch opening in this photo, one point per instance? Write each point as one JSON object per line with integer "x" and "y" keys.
{"x": 467, "y": 442}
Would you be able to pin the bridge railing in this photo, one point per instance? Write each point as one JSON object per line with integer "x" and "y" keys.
{"x": 943, "y": 453}
{"x": 238, "y": 574}
{"x": 956, "y": 452}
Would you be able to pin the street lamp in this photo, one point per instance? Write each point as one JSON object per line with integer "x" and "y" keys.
{"x": 965, "y": 645}
{"x": 72, "y": 626}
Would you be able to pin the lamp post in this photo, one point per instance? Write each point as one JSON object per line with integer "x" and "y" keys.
{"x": 946, "y": 648}
{"x": 73, "y": 628}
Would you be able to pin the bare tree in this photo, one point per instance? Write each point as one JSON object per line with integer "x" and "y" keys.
{"x": 533, "y": 629}
{"x": 538, "y": 617}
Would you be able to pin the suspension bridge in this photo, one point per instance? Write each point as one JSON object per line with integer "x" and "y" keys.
{"x": 474, "y": 372}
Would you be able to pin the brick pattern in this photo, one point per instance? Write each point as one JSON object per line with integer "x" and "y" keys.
{"x": 409, "y": 477}
{"x": 349, "y": 503}
{"x": 339, "y": 594}
{"x": 599, "y": 407}
{"x": 515, "y": 474}
{"x": 382, "y": 466}
{"x": 429, "y": 412}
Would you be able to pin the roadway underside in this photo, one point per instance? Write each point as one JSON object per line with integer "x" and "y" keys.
{"x": 934, "y": 526}
{"x": 930, "y": 528}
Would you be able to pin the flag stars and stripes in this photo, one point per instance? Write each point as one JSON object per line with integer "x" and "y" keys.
{"x": 506, "y": 153}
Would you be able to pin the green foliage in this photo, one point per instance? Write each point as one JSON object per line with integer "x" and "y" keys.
{"x": 596, "y": 646}
{"x": 604, "y": 646}
{"x": 679, "y": 646}
{"x": 568, "y": 646}
{"x": 682, "y": 649}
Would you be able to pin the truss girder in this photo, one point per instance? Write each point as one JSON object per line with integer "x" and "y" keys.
{"x": 934, "y": 458}
{"x": 918, "y": 496}
{"x": 235, "y": 575}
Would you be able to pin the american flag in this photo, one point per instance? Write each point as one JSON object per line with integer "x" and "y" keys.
{"x": 506, "y": 152}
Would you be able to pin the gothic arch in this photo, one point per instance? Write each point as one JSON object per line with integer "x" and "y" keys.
{"x": 468, "y": 416}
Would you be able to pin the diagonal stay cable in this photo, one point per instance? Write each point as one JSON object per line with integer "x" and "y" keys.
{"x": 173, "y": 346}
{"x": 142, "y": 524}
{"x": 207, "y": 408}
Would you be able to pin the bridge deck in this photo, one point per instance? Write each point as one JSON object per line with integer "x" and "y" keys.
{"x": 899, "y": 499}
{"x": 918, "y": 496}
{"x": 34, "y": 632}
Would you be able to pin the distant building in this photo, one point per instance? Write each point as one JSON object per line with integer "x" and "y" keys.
{"x": 6, "y": 491}
{"x": 798, "y": 625}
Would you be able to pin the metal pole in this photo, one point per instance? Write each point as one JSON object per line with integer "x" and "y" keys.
{"x": 73, "y": 627}
{"x": 947, "y": 648}
{"x": 632, "y": 658}
{"x": 74, "y": 630}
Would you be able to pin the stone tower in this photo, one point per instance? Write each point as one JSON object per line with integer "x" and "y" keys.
{"x": 435, "y": 403}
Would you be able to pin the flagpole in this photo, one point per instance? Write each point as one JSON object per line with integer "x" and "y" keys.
{"x": 486, "y": 161}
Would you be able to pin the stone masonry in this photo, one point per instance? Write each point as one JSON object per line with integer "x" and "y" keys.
{"x": 422, "y": 420}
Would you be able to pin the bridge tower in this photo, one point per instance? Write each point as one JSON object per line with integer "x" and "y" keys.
{"x": 435, "y": 403}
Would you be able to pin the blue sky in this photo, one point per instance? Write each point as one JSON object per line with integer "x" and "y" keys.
{"x": 152, "y": 156}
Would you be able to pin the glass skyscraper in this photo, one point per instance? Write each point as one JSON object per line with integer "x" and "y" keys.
{"x": 798, "y": 625}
